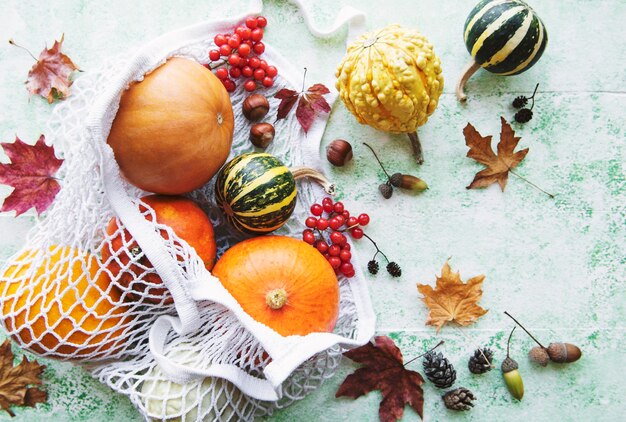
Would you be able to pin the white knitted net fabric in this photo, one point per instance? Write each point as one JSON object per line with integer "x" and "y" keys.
{"x": 193, "y": 356}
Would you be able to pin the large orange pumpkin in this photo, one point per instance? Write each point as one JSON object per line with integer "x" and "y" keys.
{"x": 189, "y": 223}
{"x": 283, "y": 283}
{"x": 173, "y": 130}
{"x": 65, "y": 307}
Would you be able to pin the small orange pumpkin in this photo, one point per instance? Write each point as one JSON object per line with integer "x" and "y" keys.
{"x": 173, "y": 130}
{"x": 283, "y": 283}
{"x": 189, "y": 223}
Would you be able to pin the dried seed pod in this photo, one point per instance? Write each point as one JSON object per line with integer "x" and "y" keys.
{"x": 255, "y": 107}
{"x": 459, "y": 399}
{"x": 563, "y": 352}
{"x": 539, "y": 355}
{"x": 396, "y": 179}
{"x": 262, "y": 134}
{"x": 339, "y": 152}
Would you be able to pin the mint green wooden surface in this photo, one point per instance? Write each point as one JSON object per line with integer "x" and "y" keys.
{"x": 557, "y": 264}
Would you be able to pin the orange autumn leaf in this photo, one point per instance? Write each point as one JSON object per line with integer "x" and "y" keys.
{"x": 453, "y": 300}
{"x": 498, "y": 166}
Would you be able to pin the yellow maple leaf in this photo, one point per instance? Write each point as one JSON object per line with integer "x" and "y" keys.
{"x": 453, "y": 300}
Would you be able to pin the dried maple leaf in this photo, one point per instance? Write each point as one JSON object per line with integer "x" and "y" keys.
{"x": 453, "y": 300}
{"x": 14, "y": 381}
{"x": 384, "y": 371}
{"x": 498, "y": 166}
{"x": 31, "y": 173}
{"x": 50, "y": 76}
{"x": 310, "y": 103}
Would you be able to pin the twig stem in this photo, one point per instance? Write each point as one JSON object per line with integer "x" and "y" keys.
{"x": 378, "y": 251}
{"x": 23, "y": 48}
{"x": 523, "y": 328}
{"x": 417, "y": 357}
{"x": 530, "y": 183}
{"x": 377, "y": 159}
{"x": 508, "y": 343}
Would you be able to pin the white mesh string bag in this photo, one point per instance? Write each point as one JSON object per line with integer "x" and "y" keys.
{"x": 192, "y": 354}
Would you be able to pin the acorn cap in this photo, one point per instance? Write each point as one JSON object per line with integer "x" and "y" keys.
{"x": 539, "y": 355}
{"x": 563, "y": 352}
{"x": 509, "y": 365}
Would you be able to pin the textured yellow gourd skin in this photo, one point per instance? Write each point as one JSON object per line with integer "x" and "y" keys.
{"x": 391, "y": 79}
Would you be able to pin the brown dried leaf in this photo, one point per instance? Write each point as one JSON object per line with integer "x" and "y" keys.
{"x": 310, "y": 103}
{"x": 14, "y": 381}
{"x": 50, "y": 76}
{"x": 498, "y": 166}
{"x": 453, "y": 300}
{"x": 384, "y": 370}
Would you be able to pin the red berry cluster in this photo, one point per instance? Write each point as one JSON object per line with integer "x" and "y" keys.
{"x": 326, "y": 228}
{"x": 237, "y": 56}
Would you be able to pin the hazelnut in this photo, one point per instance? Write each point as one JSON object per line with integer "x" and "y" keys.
{"x": 255, "y": 107}
{"x": 339, "y": 152}
{"x": 261, "y": 134}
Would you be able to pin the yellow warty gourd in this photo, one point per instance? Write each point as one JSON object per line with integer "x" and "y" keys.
{"x": 391, "y": 80}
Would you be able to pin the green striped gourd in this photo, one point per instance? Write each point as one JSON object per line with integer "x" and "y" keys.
{"x": 257, "y": 192}
{"x": 505, "y": 37}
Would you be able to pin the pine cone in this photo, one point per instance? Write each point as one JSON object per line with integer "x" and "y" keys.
{"x": 373, "y": 267}
{"x": 439, "y": 370}
{"x": 524, "y": 115}
{"x": 394, "y": 269}
{"x": 459, "y": 399}
{"x": 396, "y": 179}
{"x": 478, "y": 364}
{"x": 386, "y": 190}
{"x": 520, "y": 101}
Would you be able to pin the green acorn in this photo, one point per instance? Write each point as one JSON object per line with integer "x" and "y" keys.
{"x": 510, "y": 372}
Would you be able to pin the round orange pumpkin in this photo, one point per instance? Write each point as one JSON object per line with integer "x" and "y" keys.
{"x": 283, "y": 283}
{"x": 189, "y": 223}
{"x": 173, "y": 130}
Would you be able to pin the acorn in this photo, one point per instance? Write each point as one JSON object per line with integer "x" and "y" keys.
{"x": 339, "y": 152}
{"x": 255, "y": 107}
{"x": 539, "y": 355}
{"x": 511, "y": 374}
{"x": 557, "y": 352}
{"x": 406, "y": 181}
{"x": 262, "y": 134}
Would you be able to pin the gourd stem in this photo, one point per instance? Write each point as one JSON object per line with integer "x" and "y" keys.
{"x": 276, "y": 298}
{"x": 417, "y": 147}
{"x": 469, "y": 70}
{"x": 302, "y": 172}
{"x": 523, "y": 328}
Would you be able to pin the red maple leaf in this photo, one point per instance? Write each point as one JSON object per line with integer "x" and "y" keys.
{"x": 310, "y": 103}
{"x": 384, "y": 370}
{"x": 31, "y": 174}
{"x": 50, "y": 76}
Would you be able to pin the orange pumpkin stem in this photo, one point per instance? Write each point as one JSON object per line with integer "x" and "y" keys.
{"x": 276, "y": 298}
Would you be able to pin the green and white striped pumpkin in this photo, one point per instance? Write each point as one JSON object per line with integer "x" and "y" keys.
{"x": 257, "y": 192}
{"x": 505, "y": 36}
